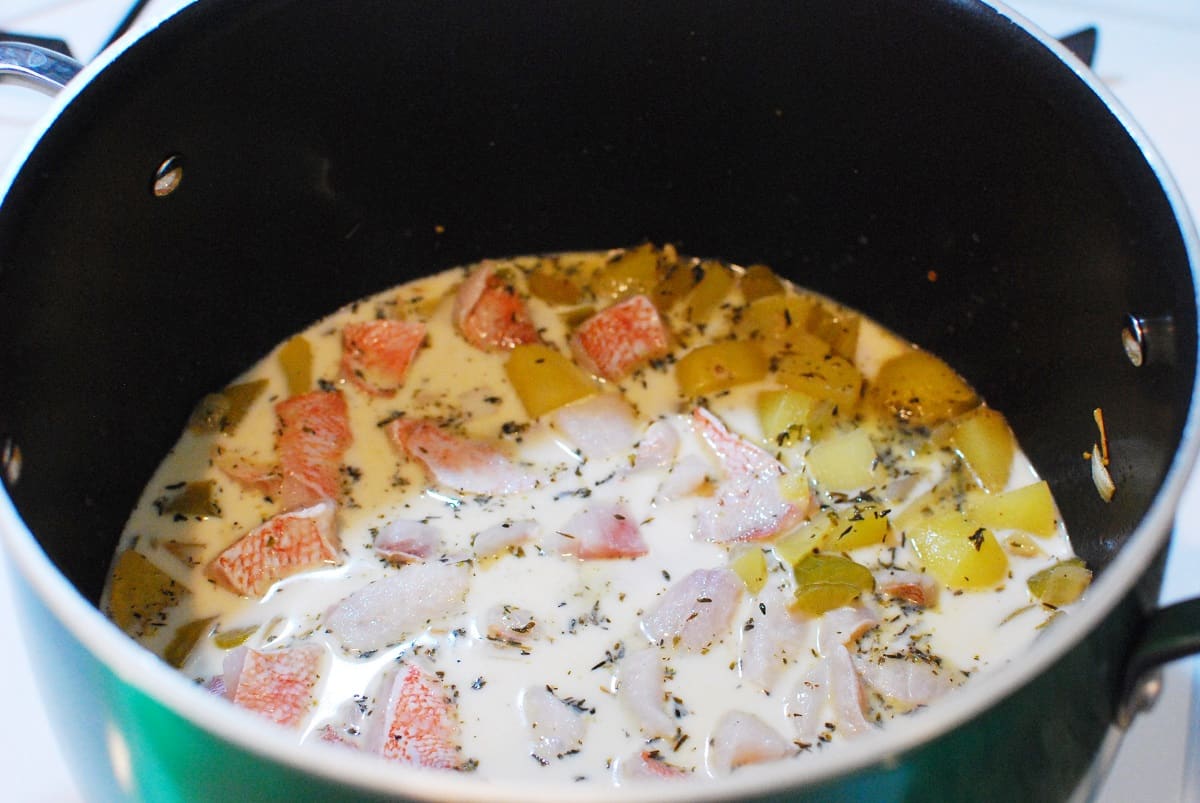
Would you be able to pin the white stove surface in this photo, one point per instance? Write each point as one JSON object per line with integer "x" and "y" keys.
{"x": 1148, "y": 54}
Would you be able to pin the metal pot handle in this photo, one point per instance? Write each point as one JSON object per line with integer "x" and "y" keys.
{"x": 36, "y": 67}
{"x": 1170, "y": 633}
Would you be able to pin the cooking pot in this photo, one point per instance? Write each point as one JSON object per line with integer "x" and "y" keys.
{"x": 205, "y": 189}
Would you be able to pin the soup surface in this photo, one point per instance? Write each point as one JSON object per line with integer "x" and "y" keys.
{"x": 595, "y": 517}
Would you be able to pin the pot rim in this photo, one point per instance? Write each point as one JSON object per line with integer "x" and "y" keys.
{"x": 145, "y": 672}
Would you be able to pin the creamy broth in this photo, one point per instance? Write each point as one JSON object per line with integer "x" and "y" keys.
{"x": 553, "y": 656}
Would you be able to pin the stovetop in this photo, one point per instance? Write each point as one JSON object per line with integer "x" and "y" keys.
{"x": 1148, "y": 55}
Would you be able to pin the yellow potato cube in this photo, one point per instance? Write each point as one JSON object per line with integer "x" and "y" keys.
{"x": 832, "y": 378}
{"x": 787, "y": 416}
{"x": 1029, "y": 509}
{"x": 919, "y": 389}
{"x": 758, "y": 282}
{"x": 545, "y": 379}
{"x": 867, "y": 525}
{"x": 633, "y": 273}
{"x": 1062, "y": 583}
{"x": 986, "y": 443}
{"x": 713, "y": 288}
{"x": 844, "y": 461}
{"x": 295, "y": 356}
{"x": 837, "y": 328}
{"x": 958, "y": 552}
{"x": 775, "y": 319}
{"x": 750, "y": 564}
{"x": 718, "y": 366}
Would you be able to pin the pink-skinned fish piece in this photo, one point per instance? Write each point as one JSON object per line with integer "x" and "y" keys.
{"x": 601, "y": 531}
{"x": 376, "y": 354}
{"x": 419, "y": 722}
{"x": 908, "y": 681}
{"x": 695, "y": 611}
{"x": 400, "y": 605}
{"x": 280, "y": 684}
{"x": 499, "y": 537}
{"x": 598, "y": 426}
{"x": 771, "y": 641}
{"x": 844, "y": 626}
{"x": 554, "y": 727}
{"x": 618, "y": 339}
{"x": 847, "y": 693}
{"x": 740, "y": 738}
{"x": 748, "y": 504}
{"x": 641, "y": 688}
{"x": 510, "y": 625}
{"x": 915, "y": 588}
{"x": 489, "y": 312}
{"x": 649, "y": 765}
{"x": 314, "y": 434}
{"x": 286, "y": 544}
{"x": 407, "y": 541}
{"x": 459, "y": 463}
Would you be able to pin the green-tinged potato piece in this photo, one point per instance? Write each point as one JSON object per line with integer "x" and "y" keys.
{"x": 958, "y": 552}
{"x": 986, "y": 443}
{"x": 222, "y": 412}
{"x": 296, "y": 359}
{"x": 675, "y": 282}
{"x": 788, "y": 416}
{"x": 750, "y": 564}
{"x": 919, "y": 389}
{"x": 545, "y": 379}
{"x": 825, "y": 582}
{"x": 1061, "y": 584}
{"x": 713, "y": 289}
{"x": 635, "y": 272}
{"x": 867, "y": 525}
{"x": 185, "y": 640}
{"x": 831, "y": 378}
{"x": 193, "y": 500}
{"x": 1029, "y": 509}
{"x": 717, "y": 366}
{"x": 844, "y": 461}
{"x": 776, "y": 320}
{"x": 837, "y": 328}
{"x": 554, "y": 286}
{"x": 758, "y": 282}
{"x": 140, "y": 594}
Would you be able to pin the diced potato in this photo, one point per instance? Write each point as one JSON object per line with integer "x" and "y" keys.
{"x": 222, "y": 412}
{"x": 794, "y": 487}
{"x": 185, "y": 639}
{"x": 825, "y": 582}
{"x": 545, "y": 379}
{"x": 919, "y": 389}
{"x": 867, "y": 525}
{"x": 140, "y": 593}
{"x": 984, "y": 440}
{"x": 674, "y": 283}
{"x": 750, "y": 564}
{"x": 1062, "y": 583}
{"x": 805, "y": 539}
{"x": 844, "y": 461}
{"x": 830, "y": 378}
{"x": 549, "y": 283}
{"x": 958, "y": 552}
{"x": 573, "y": 317}
{"x": 713, "y": 288}
{"x": 787, "y": 416}
{"x": 758, "y": 282}
{"x": 193, "y": 500}
{"x": 718, "y": 366}
{"x": 837, "y": 328}
{"x": 295, "y": 356}
{"x": 1029, "y": 509}
{"x": 633, "y": 273}
{"x": 775, "y": 319}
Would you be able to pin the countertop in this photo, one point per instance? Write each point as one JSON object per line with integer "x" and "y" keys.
{"x": 1149, "y": 56}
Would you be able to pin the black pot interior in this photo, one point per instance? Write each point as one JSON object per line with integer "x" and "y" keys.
{"x": 860, "y": 148}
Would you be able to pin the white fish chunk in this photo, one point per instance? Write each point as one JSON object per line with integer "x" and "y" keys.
{"x": 771, "y": 640}
{"x": 806, "y": 707}
{"x": 695, "y": 611}
{"x": 407, "y": 541}
{"x": 499, "y": 537}
{"x": 556, "y": 728}
{"x": 641, "y": 688}
{"x": 600, "y": 531}
{"x": 401, "y": 604}
{"x": 908, "y": 681}
{"x": 740, "y": 738}
{"x": 598, "y": 426}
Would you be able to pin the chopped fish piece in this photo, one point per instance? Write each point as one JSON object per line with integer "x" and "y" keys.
{"x": 314, "y": 433}
{"x": 490, "y": 314}
{"x": 279, "y": 684}
{"x": 748, "y": 504}
{"x": 687, "y": 476}
{"x": 249, "y": 474}
{"x": 460, "y": 463}
{"x": 771, "y": 639}
{"x": 658, "y": 446}
{"x": 399, "y": 605}
{"x": 286, "y": 544}
{"x": 499, "y": 537}
{"x": 376, "y": 354}
{"x": 601, "y": 531}
{"x": 405, "y": 541}
{"x": 806, "y": 707}
{"x": 510, "y": 624}
{"x": 695, "y": 611}
{"x": 555, "y": 726}
{"x": 421, "y": 722}
{"x": 846, "y": 690}
{"x": 599, "y": 426}
{"x": 650, "y": 765}
{"x": 618, "y": 339}
{"x": 844, "y": 626}
{"x": 909, "y": 681}
{"x": 740, "y": 738}
{"x": 640, "y": 678}
{"x": 916, "y": 588}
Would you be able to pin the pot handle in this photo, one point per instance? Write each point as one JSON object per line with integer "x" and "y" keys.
{"x": 1170, "y": 633}
{"x": 36, "y": 67}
